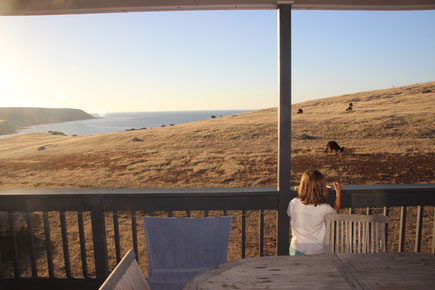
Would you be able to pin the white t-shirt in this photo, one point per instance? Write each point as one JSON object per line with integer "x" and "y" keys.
{"x": 308, "y": 226}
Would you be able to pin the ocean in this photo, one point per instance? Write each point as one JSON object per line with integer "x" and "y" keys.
{"x": 116, "y": 122}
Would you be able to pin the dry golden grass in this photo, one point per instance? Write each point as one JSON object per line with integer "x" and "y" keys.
{"x": 388, "y": 138}
{"x": 207, "y": 153}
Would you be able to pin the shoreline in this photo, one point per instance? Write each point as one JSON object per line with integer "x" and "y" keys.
{"x": 16, "y": 118}
{"x": 129, "y": 121}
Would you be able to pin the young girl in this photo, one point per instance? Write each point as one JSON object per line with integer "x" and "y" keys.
{"x": 307, "y": 213}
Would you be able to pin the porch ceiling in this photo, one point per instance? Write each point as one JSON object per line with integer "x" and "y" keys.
{"x": 48, "y": 7}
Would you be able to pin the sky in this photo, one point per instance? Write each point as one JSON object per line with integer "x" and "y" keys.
{"x": 206, "y": 60}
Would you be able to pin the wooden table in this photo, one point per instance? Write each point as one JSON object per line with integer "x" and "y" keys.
{"x": 352, "y": 271}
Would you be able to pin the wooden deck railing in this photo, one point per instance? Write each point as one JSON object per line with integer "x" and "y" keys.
{"x": 106, "y": 211}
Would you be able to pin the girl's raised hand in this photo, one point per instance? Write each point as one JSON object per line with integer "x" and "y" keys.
{"x": 337, "y": 188}
{"x": 337, "y": 204}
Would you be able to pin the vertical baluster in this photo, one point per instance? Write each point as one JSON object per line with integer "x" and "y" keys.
{"x": 402, "y": 229}
{"x": 82, "y": 244}
{"x": 369, "y": 233}
{"x": 187, "y": 213}
{"x": 48, "y": 244}
{"x": 169, "y": 213}
{"x": 433, "y": 234}
{"x": 261, "y": 222}
{"x": 348, "y": 245}
{"x": 386, "y": 213}
{"x": 28, "y": 217}
{"x": 359, "y": 237}
{"x": 116, "y": 233}
{"x": 65, "y": 244}
{"x": 372, "y": 237}
{"x": 206, "y": 213}
{"x": 2, "y": 246}
{"x": 350, "y": 210}
{"x": 383, "y": 239}
{"x": 12, "y": 221}
{"x": 243, "y": 233}
{"x": 418, "y": 229}
{"x": 350, "y": 237}
{"x": 225, "y": 212}
{"x": 336, "y": 236}
{"x": 134, "y": 233}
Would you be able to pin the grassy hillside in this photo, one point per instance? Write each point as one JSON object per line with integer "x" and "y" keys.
{"x": 241, "y": 150}
{"x": 14, "y": 118}
{"x": 396, "y": 118}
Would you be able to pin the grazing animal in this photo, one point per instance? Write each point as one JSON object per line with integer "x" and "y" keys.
{"x": 300, "y": 111}
{"x": 350, "y": 107}
{"x": 333, "y": 146}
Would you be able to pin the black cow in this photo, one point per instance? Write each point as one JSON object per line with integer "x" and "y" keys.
{"x": 333, "y": 146}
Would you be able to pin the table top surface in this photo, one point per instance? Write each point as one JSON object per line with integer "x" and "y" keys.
{"x": 347, "y": 271}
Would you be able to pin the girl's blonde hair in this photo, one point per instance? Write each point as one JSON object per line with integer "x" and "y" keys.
{"x": 312, "y": 189}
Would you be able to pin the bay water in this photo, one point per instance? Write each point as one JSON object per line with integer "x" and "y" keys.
{"x": 116, "y": 122}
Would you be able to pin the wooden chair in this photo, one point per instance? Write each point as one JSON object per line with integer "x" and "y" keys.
{"x": 126, "y": 276}
{"x": 178, "y": 249}
{"x": 354, "y": 233}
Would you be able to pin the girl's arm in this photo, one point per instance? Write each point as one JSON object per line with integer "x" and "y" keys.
{"x": 337, "y": 204}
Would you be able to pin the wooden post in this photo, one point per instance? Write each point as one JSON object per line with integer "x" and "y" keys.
{"x": 100, "y": 245}
{"x": 284, "y": 126}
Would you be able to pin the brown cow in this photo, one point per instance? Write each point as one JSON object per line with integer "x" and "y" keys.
{"x": 333, "y": 146}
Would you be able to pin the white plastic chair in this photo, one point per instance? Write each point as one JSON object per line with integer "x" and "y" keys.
{"x": 180, "y": 248}
{"x": 126, "y": 276}
{"x": 354, "y": 233}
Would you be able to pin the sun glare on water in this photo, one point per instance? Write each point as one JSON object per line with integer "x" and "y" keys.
{"x": 102, "y": 113}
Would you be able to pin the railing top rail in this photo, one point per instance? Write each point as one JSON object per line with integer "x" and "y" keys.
{"x": 354, "y": 196}
{"x": 388, "y": 186}
{"x": 107, "y": 192}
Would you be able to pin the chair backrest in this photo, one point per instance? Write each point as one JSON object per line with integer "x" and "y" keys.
{"x": 180, "y": 248}
{"x": 126, "y": 276}
{"x": 354, "y": 233}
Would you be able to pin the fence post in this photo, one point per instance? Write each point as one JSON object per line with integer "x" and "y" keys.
{"x": 100, "y": 245}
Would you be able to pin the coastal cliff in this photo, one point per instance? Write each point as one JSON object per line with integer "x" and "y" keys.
{"x": 12, "y": 119}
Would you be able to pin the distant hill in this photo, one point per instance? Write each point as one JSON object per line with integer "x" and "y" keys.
{"x": 401, "y": 112}
{"x": 13, "y": 118}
